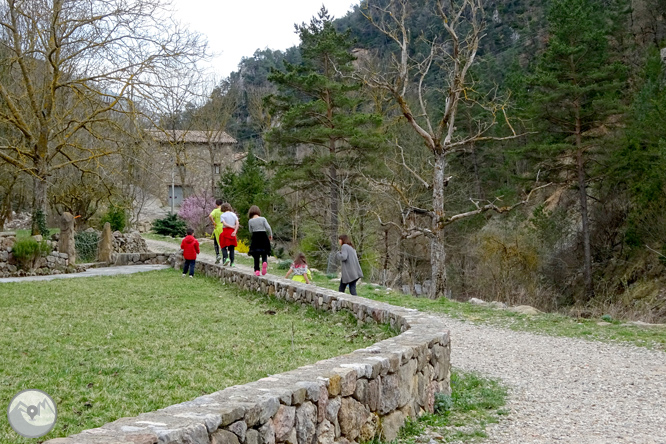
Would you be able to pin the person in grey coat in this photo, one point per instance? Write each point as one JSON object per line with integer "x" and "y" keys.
{"x": 351, "y": 268}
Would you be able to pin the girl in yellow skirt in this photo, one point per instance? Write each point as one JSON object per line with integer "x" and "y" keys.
{"x": 300, "y": 270}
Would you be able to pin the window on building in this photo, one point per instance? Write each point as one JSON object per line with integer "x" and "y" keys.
{"x": 217, "y": 168}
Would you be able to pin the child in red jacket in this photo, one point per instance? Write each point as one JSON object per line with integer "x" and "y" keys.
{"x": 190, "y": 247}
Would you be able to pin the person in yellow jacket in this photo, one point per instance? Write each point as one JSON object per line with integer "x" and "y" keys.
{"x": 218, "y": 226}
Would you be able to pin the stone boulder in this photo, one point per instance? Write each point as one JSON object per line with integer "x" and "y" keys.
{"x": 525, "y": 309}
{"x": 106, "y": 244}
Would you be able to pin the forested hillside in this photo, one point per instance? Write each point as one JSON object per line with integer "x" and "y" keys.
{"x": 575, "y": 90}
{"x": 509, "y": 150}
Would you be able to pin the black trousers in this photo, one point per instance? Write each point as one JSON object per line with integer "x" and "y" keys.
{"x": 217, "y": 247}
{"x": 352, "y": 287}
{"x": 257, "y": 256}
{"x": 230, "y": 253}
{"x": 189, "y": 263}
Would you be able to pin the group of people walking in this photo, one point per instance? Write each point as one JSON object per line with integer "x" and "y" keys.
{"x": 226, "y": 225}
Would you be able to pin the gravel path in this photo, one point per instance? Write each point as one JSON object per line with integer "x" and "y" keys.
{"x": 565, "y": 390}
{"x": 561, "y": 390}
{"x": 158, "y": 246}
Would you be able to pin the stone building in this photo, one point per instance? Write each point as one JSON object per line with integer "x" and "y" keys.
{"x": 193, "y": 161}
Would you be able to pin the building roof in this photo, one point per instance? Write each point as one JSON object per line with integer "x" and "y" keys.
{"x": 192, "y": 136}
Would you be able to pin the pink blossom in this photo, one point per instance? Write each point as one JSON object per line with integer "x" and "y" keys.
{"x": 195, "y": 210}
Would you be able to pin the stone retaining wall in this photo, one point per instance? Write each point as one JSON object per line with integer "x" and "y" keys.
{"x": 347, "y": 399}
{"x": 131, "y": 242}
{"x": 52, "y": 263}
{"x": 140, "y": 258}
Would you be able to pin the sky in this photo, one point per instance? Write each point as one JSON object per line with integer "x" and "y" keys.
{"x": 237, "y": 28}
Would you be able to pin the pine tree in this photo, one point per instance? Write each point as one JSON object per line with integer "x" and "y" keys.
{"x": 248, "y": 187}
{"x": 320, "y": 109}
{"x": 639, "y": 167}
{"x": 575, "y": 90}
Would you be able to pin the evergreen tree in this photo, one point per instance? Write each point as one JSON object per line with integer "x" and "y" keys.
{"x": 576, "y": 87}
{"x": 320, "y": 112}
{"x": 639, "y": 167}
{"x": 248, "y": 187}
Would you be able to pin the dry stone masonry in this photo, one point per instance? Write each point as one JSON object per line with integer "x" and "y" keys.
{"x": 139, "y": 258}
{"x": 131, "y": 242}
{"x": 53, "y": 263}
{"x": 347, "y": 399}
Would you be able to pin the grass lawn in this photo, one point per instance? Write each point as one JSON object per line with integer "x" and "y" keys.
{"x": 110, "y": 347}
{"x": 546, "y": 323}
{"x": 26, "y": 233}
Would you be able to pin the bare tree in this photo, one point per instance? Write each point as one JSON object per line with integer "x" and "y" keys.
{"x": 450, "y": 57}
{"x": 211, "y": 119}
{"x": 72, "y": 64}
{"x": 173, "y": 101}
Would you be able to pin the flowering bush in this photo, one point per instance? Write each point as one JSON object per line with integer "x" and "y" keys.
{"x": 242, "y": 247}
{"x": 195, "y": 210}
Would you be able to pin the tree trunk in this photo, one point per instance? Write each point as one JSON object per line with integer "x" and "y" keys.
{"x": 580, "y": 166}
{"x": 437, "y": 250}
{"x": 40, "y": 184}
{"x": 333, "y": 231}
{"x": 6, "y": 207}
{"x": 385, "y": 269}
{"x": 40, "y": 202}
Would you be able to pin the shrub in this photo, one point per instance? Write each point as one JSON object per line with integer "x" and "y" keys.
{"x": 87, "y": 244}
{"x": 172, "y": 225}
{"x": 27, "y": 250}
{"x": 316, "y": 246}
{"x": 116, "y": 217}
{"x": 443, "y": 403}
{"x": 284, "y": 265}
{"x": 242, "y": 247}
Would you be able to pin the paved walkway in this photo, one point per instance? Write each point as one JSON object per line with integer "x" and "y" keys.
{"x": 106, "y": 271}
{"x": 154, "y": 245}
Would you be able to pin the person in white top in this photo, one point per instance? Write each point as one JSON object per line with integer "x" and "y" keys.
{"x": 228, "y": 240}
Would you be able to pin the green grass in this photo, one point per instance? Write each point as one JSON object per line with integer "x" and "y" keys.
{"x": 547, "y": 323}
{"x": 110, "y": 347}
{"x": 26, "y": 233}
{"x": 553, "y": 324}
{"x": 474, "y": 403}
